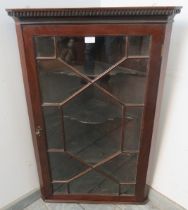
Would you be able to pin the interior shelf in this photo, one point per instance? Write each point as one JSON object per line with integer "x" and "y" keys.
{"x": 86, "y": 113}
{"x": 92, "y": 111}
{"x": 92, "y": 122}
{"x": 88, "y": 139}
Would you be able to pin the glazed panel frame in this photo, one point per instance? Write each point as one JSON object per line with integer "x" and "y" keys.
{"x": 31, "y": 80}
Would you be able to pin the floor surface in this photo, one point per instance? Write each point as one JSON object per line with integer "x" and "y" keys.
{"x": 40, "y": 205}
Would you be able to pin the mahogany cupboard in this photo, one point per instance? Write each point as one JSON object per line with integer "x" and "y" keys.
{"x": 92, "y": 79}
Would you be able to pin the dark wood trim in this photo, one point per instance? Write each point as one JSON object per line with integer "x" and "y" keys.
{"x": 91, "y": 29}
{"x": 29, "y": 102}
{"x": 94, "y": 12}
{"x": 149, "y": 110}
{"x": 35, "y": 115}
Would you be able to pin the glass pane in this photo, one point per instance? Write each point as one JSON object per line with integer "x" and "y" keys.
{"x": 137, "y": 66}
{"x": 92, "y": 106}
{"x": 92, "y": 149}
{"x": 91, "y": 55}
{"x": 45, "y": 46}
{"x": 127, "y": 81}
{"x": 57, "y": 81}
{"x": 132, "y": 128}
{"x": 93, "y": 183}
{"x": 96, "y": 120}
{"x": 63, "y": 166}
{"x": 53, "y": 125}
{"x": 138, "y": 45}
{"x": 89, "y": 142}
{"x": 127, "y": 189}
{"x": 59, "y": 188}
{"x": 123, "y": 167}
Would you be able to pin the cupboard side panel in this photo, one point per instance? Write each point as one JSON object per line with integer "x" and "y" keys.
{"x": 160, "y": 43}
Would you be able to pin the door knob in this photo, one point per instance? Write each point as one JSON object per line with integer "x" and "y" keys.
{"x": 38, "y": 131}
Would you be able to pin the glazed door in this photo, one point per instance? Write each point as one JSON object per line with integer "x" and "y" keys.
{"x": 89, "y": 98}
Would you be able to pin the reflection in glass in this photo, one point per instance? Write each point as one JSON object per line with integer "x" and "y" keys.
{"x": 91, "y": 58}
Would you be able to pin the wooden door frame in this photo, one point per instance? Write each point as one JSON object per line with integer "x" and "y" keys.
{"x": 25, "y": 39}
